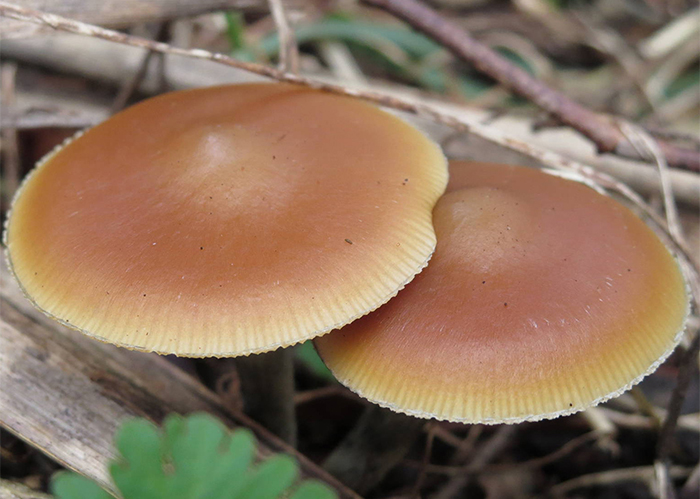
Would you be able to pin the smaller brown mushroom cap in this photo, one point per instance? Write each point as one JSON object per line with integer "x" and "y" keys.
{"x": 228, "y": 220}
{"x": 543, "y": 298}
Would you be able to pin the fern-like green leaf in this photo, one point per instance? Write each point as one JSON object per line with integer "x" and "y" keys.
{"x": 192, "y": 458}
{"x": 66, "y": 485}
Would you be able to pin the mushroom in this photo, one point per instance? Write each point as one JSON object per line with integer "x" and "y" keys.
{"x": 227, "y": 221}
{"x": 543, "y": 298}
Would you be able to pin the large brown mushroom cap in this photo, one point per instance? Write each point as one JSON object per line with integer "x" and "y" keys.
{"x": 543, "y": 298}
{"x": 227, "y": 220}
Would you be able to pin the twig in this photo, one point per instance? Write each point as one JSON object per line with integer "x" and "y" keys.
{"x": 685, "y": 374}
{"x": 127, "y": 90}
{"x": 688, "y": 359}
{"x": 325, "y": 391}
{"x": 379, "y": 440}
{"x": 646, "y": 145}
{"x": 688, "y": 422}
{"x": 487, "y": 453}
{"x": 603, "y": 427}
{"x": 341, "y": 62}
{"x": 612, "y": 44}
{"x": 466, "y": 446}
{"x": 447, "y": 437}
{"x": 664, "y": 484}
{"x": 666, "y": 39}
{"x": 537, "y": 462}
{"x": 646, "y": 407}
{"x": 10, "y": 151}
{"x": 289, "y": 52}
{"x": 639, "y": 474}
{"x": 427, "y": 452}
{"x": 692, "y": 485}
{"x": 673, "y": 135}
{"x": 603, "y": 133}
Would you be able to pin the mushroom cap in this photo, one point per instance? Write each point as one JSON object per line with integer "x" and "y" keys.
{"x": 543, "y": 298}
{"x": 227, "y": 220}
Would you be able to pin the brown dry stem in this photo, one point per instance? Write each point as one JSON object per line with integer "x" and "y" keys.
{"x": 605, "y": 134}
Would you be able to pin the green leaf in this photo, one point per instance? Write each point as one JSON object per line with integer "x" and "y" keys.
{"x": 414, "y": 44}
{"x": 312, "y": 489}
{"x": 308, "y": 355}
{"x": 234, "y": 29}
{"x": 688, "y": 80}
{"x": 140, "y": 474}
{"x": 207, "y": 461}
{"x": 194, "y": 457}
{"x": 273, "y": 477}
{"x": 67, "y": 485}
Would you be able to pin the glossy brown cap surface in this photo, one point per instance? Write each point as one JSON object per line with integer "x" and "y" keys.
{"x": 543, "y": 298}
{"x": 227, "y": 220}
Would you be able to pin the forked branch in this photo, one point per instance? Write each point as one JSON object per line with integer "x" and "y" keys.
{"x": 604, "y": 133}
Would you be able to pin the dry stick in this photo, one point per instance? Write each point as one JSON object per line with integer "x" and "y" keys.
{"x": 289, "y": 52}
{"x": 606, "y": 136}
{"x": 644, "y": 406}
{"x": 326, "y": 391}
{"x": 538, "y": 462}
{"x": 646, "y": 145}
{"x": 687, "y": 422}
{"x": 130, "y": 87}
{"x": 448, "y": 437}
{"x": 639, "y": 474}
{"x": 487, "y": 453}
{"x": 688, "y": 359}
{"x": 685, "y": 374}
{"x": 380, "y": 439}
{"x": 427, "y": 452}
{"x": 692, "y": 485}
{"x": 466, "y": 446}
{"x": 10, "y": 150}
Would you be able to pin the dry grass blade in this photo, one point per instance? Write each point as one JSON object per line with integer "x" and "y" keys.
{"x": 289, "y": 52}
{"x": 10, "y": 148}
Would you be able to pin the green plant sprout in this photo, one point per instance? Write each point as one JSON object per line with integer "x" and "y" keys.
{"x": 193, "y": 457}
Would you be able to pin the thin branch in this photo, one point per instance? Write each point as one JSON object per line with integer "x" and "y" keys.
{"x": 289, "y": 52}
{"x": 10, "y": 148}
{"x": 427, "y": 453}
{"x": 606, "y": 136}
{"x": 685, "y": 375}
{"x": 538, "y": 462}
{"x": 486, "y": 453}
{"x": 643, "y": 474}
{"x": 128, "y": 89}
{"x": 647, "y": 146}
